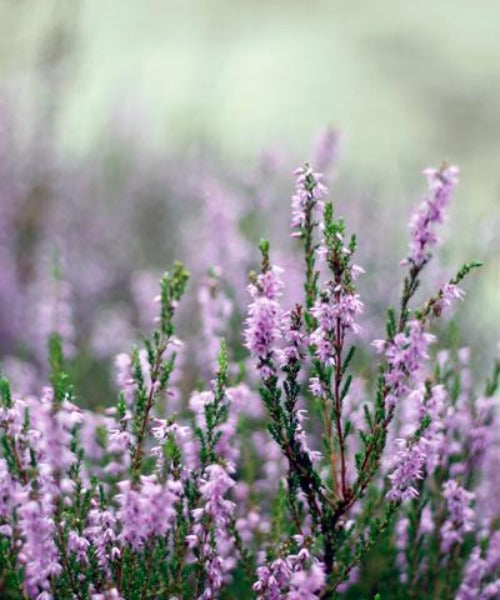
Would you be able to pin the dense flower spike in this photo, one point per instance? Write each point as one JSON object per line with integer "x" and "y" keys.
{"x": 293, "y": 577}
{"x": 309, "y": 192}
{"x": 263, "y": 324}
{"x": 210, "y": 534}
{"x": 481, "y": 579}
{"x": 430, "y": 213}
{"x": 215, "y": 312}
{"x": 146, "y": 512}
{"x": 330, "y": 310}
{"x": 410, "y": 461}
{"x": 405, "y": 355}
{"x": 39, "y": 553}
{"x": 460, "y": 518}
{"x": 101, "y": 531}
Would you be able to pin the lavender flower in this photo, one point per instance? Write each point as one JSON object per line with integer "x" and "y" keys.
{"x": 79, "y": 546}
{"x": 460, "y": 518}
{"x": 147, "y": 511}
{"x": 332, "y": 310}
{"x": 263, "y": 324}
{"x": 39, "y": 553}
{"x": 293, "y": 577}
{"x": 7, "y": 491}
{"x": 215, "y": 548}
{"x": 271, "y": 580}
{"x": 101, "y": 532}
{"x": 309, "y": 190}
{"x": 479, "y": 582}
{"x": 410, "y": 461}
{"x": 430, "y": 213}
{"x": 296, "y": 340}
{"x": 451, "y": 292}
{"x": 307, "y": 584}
{"x": 51, "y": 433}
{"x": 405, "y": 355}
{"x": 111, "y": 594}
{"x": 215, "y": 311}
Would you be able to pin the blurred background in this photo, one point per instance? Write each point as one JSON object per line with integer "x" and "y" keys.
{"x": 133, "y": 133}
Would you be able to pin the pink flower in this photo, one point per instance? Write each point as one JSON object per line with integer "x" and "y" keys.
{"x": 442, "y": 182}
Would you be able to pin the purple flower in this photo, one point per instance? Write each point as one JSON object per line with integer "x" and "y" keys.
{"x": 79, "y": 546}
{"x": 8, "y": 491}
{"x": 215, "y": 311}
{"x": 294, "y": 335}
{"x": 401, "y": 540}
{"x": 111, "y": 594}
{"x": 409, "y": 465}
{"x": 263, "y": 324}
{"x": 50, "y": 432}
{"x": 478, "y": 570}
{"x": 101, "y": 533}
{"x": 38, "y": 553}
{"x": 301, "y": 437}
{"x": 330, "y": 310}
{"x": 217, "y": 552}
{"x": 430, "y": 213}
{"x": 316, "y": 387}
{"x": 405, "y": 355}
{"x": 124, "y": 379}
{"x": 294, "y": 577}
{"x": 449, "y": 293}
{"x": 146, "y": 512}
{"x": 306, "y": 584}
{"x": 185, "y": 440}
{"x": 271, "y": 579}
{"x": 460, "y": 518}
{"x": 309, "y": 190}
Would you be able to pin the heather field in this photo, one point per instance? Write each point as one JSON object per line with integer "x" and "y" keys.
{"x": 249, "y": 300}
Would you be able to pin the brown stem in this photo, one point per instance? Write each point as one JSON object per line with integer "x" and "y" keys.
{"x": 408, "y": 291}
{"x": 120, "y": 573}
{"x": 309, "y": 255}
{"x": 331, "y": 445}
{"x": 338, "y": 405}
{"x": 136, "y": 463}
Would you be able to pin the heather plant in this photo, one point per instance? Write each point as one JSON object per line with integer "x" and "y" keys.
{"x": 316, "y": 467}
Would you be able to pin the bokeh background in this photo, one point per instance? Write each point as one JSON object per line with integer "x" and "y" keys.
{"x": 133, "y": 133}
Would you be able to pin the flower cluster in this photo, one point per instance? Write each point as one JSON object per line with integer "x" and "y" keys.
{"x": 480, "y": 577}
{"x": 309, "y": 191}
{"x": 460, "y": 518}
{"x": 410, "y": 461}
{"x": 263, "y": 325}
{"x": 210, "y": 534}
{"x": 292, "y": 471}
{"x": 430, "y": 213}
{"x": 406, "y": 353}
{"x": 335, "y": 314}
{"x": 293, "y": 577}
